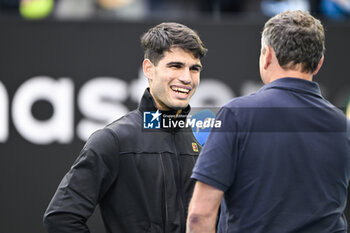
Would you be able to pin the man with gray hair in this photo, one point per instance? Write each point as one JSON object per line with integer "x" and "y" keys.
{"x": 281, "y": 162}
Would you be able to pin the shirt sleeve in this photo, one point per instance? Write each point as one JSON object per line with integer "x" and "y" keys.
{"x": 216, "y": 164}
{"x": 84, "y": 185}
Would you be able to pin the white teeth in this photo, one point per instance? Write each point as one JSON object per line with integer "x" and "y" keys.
{"x": 179, "y": 89}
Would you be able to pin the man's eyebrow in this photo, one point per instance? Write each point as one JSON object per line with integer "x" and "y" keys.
{"x": 176, "y": 63}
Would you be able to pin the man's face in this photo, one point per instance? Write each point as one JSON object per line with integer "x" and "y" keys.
{"x": 174, "y": 79}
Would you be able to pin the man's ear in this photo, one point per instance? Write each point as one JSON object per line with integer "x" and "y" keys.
{"x": 267, "y": 57}
{"x": 148, "y": 69}
{"x": 318, "y": 66}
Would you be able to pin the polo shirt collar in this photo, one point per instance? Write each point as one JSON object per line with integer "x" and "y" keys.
{"x": 294, "y": 84}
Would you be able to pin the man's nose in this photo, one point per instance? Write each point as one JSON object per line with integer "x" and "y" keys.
{"x": 186, "y": 77}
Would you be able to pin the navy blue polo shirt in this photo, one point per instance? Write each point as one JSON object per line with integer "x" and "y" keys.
{"x": 282, "y": 157}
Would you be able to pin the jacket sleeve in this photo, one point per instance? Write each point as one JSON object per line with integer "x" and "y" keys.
{"x": 84, "y": 185}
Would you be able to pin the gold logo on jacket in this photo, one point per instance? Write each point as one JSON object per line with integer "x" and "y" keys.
{"x": 194, "y": 147}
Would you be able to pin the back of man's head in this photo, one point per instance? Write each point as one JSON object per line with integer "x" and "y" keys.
{"x": 165, "y": 36}
{"x": 297, "y": 38}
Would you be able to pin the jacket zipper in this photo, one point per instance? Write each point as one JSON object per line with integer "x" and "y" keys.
{"x": 182, "y": 226}
{"x": 165, "y": 196}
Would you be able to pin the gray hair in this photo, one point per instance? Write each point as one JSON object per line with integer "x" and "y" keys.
{"x": 297, "y": 38}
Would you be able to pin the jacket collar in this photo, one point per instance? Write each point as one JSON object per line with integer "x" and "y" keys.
{"x": 147, "y": 104}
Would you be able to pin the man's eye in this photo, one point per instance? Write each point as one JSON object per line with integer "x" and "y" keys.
{"x": 197, "y": 69}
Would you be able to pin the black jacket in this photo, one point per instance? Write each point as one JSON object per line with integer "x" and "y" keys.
{"x": 139, "y": 177}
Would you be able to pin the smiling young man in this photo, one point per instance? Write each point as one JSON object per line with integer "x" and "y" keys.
{"x": 174, "y": 79}
{"x": 139, "y": 177}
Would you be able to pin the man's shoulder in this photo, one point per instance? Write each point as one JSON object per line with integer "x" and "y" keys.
{"x": 129, "y": 118}
{"x": 257, "y": 99}
{"x": 128, "y": 123}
